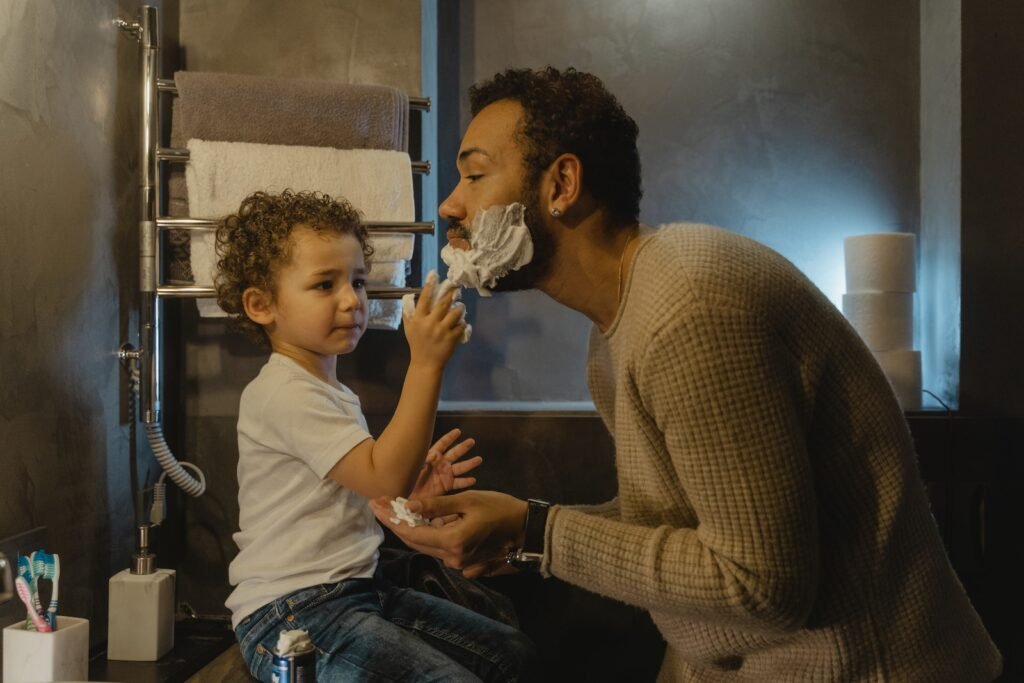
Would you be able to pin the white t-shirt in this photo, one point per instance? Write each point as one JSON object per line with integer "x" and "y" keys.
{"x": 297, "y": 529}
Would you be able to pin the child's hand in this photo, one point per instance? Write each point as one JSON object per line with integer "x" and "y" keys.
{"x": 442, "y": 472}
{"x": 433, "y": 331}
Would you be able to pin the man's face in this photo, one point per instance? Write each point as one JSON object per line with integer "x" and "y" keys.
{"x": 491, "y": 171}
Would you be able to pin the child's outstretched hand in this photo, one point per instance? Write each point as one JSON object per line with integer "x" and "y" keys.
{"x": 443, "y": 469}
{"x": 434, "y": 329}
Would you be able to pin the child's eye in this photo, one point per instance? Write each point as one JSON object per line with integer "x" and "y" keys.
{"x": 326, "y": 285}
{"x": 474, "y": 178}
{"x": 359, "y": 283}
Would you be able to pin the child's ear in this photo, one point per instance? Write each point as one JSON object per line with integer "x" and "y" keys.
{"x": 257, "y": 306}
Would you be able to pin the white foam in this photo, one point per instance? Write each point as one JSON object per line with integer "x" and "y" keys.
{"x": 293, "y": 642}
{"x": 402, "y": 514}
{"x": 409, "y": 301}
{"x": 499, "y": 243}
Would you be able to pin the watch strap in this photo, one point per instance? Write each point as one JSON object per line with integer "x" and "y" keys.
{"x": 531, "y": 554}
{"x": 534, "y": 525}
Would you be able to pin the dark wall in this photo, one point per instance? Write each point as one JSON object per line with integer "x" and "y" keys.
{"x": 975, "y": 476}
{"x": 69, "y": 104}
{"x": 991, "y": 363}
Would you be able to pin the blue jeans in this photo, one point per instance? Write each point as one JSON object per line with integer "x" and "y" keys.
{"x": 369, "y": 630}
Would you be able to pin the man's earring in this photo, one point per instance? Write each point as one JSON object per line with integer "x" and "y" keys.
{"x": 555, "y": 212}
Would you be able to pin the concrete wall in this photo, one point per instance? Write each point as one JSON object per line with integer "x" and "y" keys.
{"x": 68, "y": 214}
{"x": 792, "y": 122}
{"x": 992, "y": 365}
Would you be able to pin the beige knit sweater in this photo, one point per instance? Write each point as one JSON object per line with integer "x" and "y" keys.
{"x": 770, "y": 514}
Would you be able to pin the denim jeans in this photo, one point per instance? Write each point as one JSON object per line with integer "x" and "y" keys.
{"x": 369, "y": 630}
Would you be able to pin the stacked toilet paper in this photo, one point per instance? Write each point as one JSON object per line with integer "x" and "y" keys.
{"x": 879, "y": 303}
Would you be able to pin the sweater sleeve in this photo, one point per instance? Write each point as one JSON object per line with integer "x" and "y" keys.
{"x": 608, "y": 510}
{"x": 721, "y": 392}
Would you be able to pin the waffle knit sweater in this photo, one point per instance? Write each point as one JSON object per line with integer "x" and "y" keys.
{"x": 770, "y": 514}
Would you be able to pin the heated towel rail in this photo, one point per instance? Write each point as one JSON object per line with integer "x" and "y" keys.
{"x": 146, "y": 359}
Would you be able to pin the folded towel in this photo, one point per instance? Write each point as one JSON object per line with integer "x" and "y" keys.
{"x": 385, "y": 314}
{"x": 392, "y": 246}
{"x": 277, "y": 111}
{"x": 221, "y": 174}
{"x": 387, "y": 273}
{"x": 282, "y": 111}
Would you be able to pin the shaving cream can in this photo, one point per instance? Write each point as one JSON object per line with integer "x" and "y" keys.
{"x": 294, "y": 667}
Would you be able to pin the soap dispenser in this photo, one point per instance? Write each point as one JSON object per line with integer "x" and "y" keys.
{"x": 140, "y": 623}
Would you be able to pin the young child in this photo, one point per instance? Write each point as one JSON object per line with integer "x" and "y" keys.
{"x": 292, "y": 269}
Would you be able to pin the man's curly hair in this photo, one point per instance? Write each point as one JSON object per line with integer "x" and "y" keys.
{"x": 255, "y": 242}
{"x": 572, "y": 112}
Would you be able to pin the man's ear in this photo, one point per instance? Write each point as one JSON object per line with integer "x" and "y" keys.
{"x": 257, "y": 305}
{"x": 565, "y": 184}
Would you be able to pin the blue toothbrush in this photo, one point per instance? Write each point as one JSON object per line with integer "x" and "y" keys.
{"x": 47, "y": 566}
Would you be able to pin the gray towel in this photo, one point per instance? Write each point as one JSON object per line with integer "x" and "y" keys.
{"x": 276, "y": 111}
{"x": 280, "y": 111}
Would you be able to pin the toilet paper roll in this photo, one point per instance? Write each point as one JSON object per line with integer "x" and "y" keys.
{"x": 903, "y": 368}
{"x": 880, "y": 262}
{"x": 884, "y": 320}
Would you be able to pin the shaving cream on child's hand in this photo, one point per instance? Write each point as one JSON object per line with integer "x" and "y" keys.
{"x": 402, "y": 514}
{"x": 440, "y": 290}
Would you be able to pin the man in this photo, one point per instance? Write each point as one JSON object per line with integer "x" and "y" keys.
{"x": 770, "y": 515}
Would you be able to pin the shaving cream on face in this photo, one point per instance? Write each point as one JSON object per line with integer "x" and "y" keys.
{"x": 499, "y": 243}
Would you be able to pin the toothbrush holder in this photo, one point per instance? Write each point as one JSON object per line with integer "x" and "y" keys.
{"x": 31, "y": 656}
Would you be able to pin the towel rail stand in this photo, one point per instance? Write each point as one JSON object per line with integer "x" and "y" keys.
{"x": 151, "y": 223}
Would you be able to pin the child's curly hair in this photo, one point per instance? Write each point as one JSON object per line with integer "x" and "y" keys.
{"x": 253, "y": 243}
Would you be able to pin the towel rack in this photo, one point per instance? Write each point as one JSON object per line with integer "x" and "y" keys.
{"x": 148, "y": 355}
{"x": 182, "y": 156}
{"x": 167, "y": 85}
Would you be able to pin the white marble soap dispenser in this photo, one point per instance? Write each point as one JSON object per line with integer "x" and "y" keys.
{"x": 140, "y": 625}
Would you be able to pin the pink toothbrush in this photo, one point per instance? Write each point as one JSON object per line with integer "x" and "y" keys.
{"x": 26, "y": 597}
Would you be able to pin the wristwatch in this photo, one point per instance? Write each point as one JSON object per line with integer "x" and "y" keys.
{"x": 531, "y": 553}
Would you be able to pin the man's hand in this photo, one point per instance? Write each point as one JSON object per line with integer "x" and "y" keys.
{"x": 477, "y": 528}
{"x": 442, "y": 471}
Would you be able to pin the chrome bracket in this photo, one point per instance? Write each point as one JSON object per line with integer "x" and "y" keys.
{"x": 133, "y": 28}
{"x": 128, "y": 354}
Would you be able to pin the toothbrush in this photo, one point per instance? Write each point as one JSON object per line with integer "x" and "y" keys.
{"x": 51, "y": 611}
{"x": 47, "y": 566}
{"x": 26, "y": 570}
{"x": 25, "y": 593}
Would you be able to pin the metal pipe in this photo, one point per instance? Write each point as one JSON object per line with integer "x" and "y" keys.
{"x": 181, "y": 156}
{"x": 207, "y": 224}
{"x": 168, "y": 85}
{"x": 195, "y": 292}
{"x": 149, "y": 130}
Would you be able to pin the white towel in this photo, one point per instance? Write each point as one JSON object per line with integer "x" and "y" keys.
{"x": 392, "y": 246}
{"x": 221, "y": 174}
{"x": 388, "y": 273}
{"x": 385, "y": 314}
